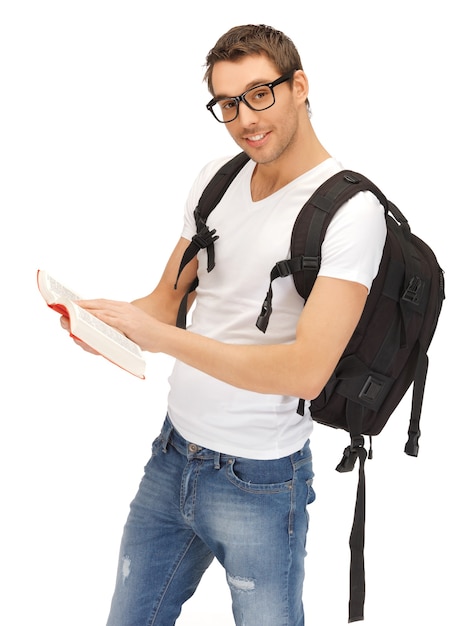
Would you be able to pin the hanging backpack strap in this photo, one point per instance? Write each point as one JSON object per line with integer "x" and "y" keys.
{"x": 357, "y": 584}
{"x": 204, "y": 237}
{"x": 413, "y": 298}
{"x": 355, "y": 451}
{"x": 414, "y": 432}
{"x": 309, "y": 231}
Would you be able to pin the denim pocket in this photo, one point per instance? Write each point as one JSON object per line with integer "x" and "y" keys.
{"x": 273, "y": 476}
{"x": 310, "y": 491}
{"x": 155, "y": 450}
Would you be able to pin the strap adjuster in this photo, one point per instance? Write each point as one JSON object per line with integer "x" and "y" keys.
{"x": 412, "y": 445}
{"x": 204, "y": 238}
{"x": 283, "y": 268}
{"x": 263, "y": 318}
{"x": 309, "y": 263}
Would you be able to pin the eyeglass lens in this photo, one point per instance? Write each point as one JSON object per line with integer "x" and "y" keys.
{"x": 257, "y": 98}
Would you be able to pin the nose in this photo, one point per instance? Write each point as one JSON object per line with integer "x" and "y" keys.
{"x": 246, "y": 115}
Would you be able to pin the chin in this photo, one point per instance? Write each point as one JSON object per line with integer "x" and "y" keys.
{"x": 264, "y": 158}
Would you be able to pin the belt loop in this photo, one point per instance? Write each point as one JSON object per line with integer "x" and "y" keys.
{"x": 217, "y": 460}
{"x": 166, "y": 433}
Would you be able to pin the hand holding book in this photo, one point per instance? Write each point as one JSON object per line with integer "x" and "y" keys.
{"x": 65, "y": 323}
{"x": 91, "y": 333}
{"x": 125, "y": 317}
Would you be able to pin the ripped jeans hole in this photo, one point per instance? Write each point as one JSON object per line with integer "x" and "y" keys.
{"x": 237, "y": 583}
{"x": 126, "y": 568}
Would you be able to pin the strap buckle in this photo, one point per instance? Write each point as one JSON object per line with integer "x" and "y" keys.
{"x": 414, "y": 290}
{"x": 350, "y": 455}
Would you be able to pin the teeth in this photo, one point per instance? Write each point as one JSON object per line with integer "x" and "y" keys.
{"x": 256, "y": 137}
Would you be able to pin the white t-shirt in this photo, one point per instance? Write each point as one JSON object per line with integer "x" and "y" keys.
{"x": 253, "y": 236}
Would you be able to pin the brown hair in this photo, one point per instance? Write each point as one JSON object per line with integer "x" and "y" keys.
{"x": 253, "y": 39}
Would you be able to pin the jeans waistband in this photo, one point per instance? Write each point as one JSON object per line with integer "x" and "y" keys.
{"x": 187, "y": 448}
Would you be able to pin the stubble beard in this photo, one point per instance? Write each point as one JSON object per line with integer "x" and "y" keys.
{"x": 285, "y": 142}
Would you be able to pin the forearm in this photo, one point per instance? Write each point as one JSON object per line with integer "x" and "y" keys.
{"x": 163, "y": 309}
{"x": 272, "y": 369}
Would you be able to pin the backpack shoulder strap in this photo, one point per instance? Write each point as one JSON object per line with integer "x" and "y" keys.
{"x": 313, "y": 220}
{"x": 205, "y": 238}
{"x": 309, "y": 231}
{"x": 219, "y": 183}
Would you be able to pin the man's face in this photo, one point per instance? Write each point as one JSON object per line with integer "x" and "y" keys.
{"x": 263, "y": 135}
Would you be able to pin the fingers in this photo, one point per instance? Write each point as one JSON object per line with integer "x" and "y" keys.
{"x": 112, "y": 312}
{"x": 84, "y": 346}
{"x": 103, "y": 307}
{"x": 65, "y": 323}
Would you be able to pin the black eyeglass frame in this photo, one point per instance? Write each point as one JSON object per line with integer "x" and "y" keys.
{"x": 242, "y": 97}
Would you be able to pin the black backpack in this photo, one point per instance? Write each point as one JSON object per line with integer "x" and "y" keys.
{"x": 388, "y": 350}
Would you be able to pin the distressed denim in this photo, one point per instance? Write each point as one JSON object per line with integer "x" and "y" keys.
{"x": 194, "y": 504}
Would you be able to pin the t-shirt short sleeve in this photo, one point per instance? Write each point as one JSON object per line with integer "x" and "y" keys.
{"x": 354, "y": 241}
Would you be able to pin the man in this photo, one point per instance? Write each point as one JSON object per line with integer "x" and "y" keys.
{"x": 230, "y": 474}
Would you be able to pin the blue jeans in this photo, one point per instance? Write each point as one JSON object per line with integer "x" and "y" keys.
{"x": 194, "y": 504}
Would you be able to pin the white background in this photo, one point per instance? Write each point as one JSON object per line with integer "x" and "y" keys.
{"x": 103, "y": 128}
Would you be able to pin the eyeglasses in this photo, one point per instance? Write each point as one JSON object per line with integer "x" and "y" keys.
{"x": 257, "y": 98}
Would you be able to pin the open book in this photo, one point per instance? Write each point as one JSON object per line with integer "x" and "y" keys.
{"x": 103, "y": 338}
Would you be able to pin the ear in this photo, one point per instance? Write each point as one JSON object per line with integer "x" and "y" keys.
{"x": 300, "y": 85}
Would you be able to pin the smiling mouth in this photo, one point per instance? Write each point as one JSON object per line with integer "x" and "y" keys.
{"x": 256, "y": 138}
